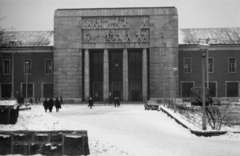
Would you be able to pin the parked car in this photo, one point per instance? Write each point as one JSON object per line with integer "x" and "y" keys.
{"x": 152, "y": 104}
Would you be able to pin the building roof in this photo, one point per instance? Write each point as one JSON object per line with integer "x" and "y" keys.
{"x": 216, "y": 35}
{"x": 186, "y": 36}
{"x": 29, "y": 38}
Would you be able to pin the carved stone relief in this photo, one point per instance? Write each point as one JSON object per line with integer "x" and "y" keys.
{"x": 115, "y": 29}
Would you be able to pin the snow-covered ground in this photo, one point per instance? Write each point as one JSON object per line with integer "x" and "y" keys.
{"x": 128, "y": 130}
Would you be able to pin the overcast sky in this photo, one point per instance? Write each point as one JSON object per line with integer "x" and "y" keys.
{"x": 33, "y": 15}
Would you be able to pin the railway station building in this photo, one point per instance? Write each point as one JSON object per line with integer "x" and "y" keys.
{"x": 124, "y": 52}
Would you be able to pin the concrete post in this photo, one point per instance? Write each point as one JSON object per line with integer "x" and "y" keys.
{"x": 144, "y": 75}
{"x": 125, "y": 75}
{"x": 105, "y": 75}
{"x": 86, "y": 75}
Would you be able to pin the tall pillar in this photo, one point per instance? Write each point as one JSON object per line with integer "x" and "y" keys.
{"x": 86, "y": 75}
{"x": 144, "y": 75}
{"x": 105, "y": 74}
{"x": 125, "y": 75}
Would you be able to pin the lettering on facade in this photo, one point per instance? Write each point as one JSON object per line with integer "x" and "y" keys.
{"x": 115, "y": 29}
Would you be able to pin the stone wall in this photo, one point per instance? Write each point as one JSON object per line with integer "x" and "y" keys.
{"x": 78, "y": 29}
{"x": 44, "y": 142}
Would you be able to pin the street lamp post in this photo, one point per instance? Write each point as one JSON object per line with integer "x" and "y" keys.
{"x": 13, "y": 44}
{"x": 163, "y": 82}
{"x": 174, "y": 88}
{"x": 26, "y": 70}
{"x": 207, "y": 69}
{"x": 203, "y": 47}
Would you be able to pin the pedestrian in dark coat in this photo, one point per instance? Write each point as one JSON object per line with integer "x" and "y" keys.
{"x": 57, "y": 104}
{"x": 110, "y": 98}
{"x": 115, "y": 101}
{"x": 118, "y": 101}
{"x": 90, "y": 102}
{"x": 50, "y": 104}
{"x": 45, "y": 104}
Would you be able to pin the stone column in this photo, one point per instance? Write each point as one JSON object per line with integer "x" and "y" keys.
{"x": 144, "y": 75}
{"x": 86, "y": 75}
{"x": 125, "y": 75}
{"x": 105, "y": 74}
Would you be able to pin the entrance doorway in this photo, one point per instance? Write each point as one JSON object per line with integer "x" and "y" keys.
{"x": 98, "y": 91}
{"x": 6, "y": 90}
{"x": 135, "y": 91}
{"x": 117, "y": 89}
{"x": 96, "y": 75}
{"x": 135, "y": 74}
{"x": 116, "y": 72}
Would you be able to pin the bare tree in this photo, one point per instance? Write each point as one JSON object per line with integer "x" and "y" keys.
{"x": 213, "y": 113}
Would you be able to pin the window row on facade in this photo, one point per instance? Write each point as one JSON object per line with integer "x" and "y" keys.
{"x": 46, "y": 90}
{"x": 232, "y": 65}
{"x": 230, "y": 89}
{"x": 7, "y": 66}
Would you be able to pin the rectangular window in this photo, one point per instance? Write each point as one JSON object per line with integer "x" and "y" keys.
{"x": 48, "y": 67}
{"x": 232, "y": 89}
{"x": 6, "y": 67}
{"x": 187, "y": 65}
{"x": 186, "y": 89}
{"x": 27, "y": 67}
{"x": 232, "y": 65}
{"x": 212, "y": 88}
{"x": 210, "y": 65}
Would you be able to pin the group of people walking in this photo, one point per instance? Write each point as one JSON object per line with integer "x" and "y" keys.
{"x": 116, "y": 101}
{"x": 48, "y": 104}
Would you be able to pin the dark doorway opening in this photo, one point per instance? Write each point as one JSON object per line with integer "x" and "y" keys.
{"x": 6, "y": 90}
{"x": 135, "y": 74}
{"x": 96, "y": 74}
{"x": 117, "y": 89}
{"x": 98, "y": 91}
{"x": 116, "y": 72}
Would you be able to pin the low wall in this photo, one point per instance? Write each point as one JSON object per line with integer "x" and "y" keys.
{"x": 44, "y": 142}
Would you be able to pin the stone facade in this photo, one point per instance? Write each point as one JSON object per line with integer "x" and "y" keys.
{"x": 151, "y": 29}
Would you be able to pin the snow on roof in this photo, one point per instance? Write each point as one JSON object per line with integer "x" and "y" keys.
{"x": 29, "y": 38}
{"x": 216, "y": 35}
{"x": 186, "y": 36}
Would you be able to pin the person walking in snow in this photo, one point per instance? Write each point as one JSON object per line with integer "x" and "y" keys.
{"x": 50, "y": 104}
{"x": 45, "y": 104}
{"x": 90, "y": 102}
{"x": 115, "y": 101}
{"x": 57, "y": 104}
{"x": 118, "y": 101}
{"x": 110, "y": 98}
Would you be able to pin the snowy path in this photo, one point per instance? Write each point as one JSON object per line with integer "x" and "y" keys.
{"x": 130, "y": 130}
